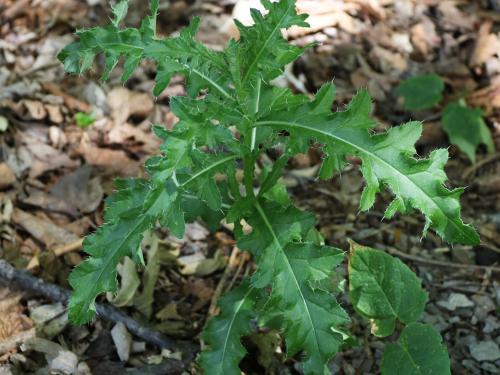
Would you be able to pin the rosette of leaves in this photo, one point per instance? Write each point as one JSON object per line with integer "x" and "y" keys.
{"x": 229, "y": 117}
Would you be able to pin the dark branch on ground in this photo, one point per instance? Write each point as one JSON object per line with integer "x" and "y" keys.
{"x": 25, "y": 281}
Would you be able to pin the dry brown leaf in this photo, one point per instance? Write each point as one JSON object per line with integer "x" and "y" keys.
{"x": 124, "y": 103}
{"x": 199, "y": 289}
{"x": 488, "y": 97}
{"x": 487, "y": 45}
{"x": 31, "y": 110}
{"x": 40, "y": 198}
{"x": 69, "y": 101}
{"x": 124, "y": 133}
{"x": 7, "y": 177}
{"x": 453, "y": 18}
{"x": 424, "y": 36}
{"x": 15, "y": 327}
{"x": 43, "y": 157}
{"x": 388, "y": 60}
{"x": 79, "y": 190}
{"x": 488, "y": 184}
{"x": 322, "y": 14}
{"x": 47, "y": 158}
{"x": 54, "y": 112}
{"x": 372, "y": 7}
{"x": 42, "y": 229}
{"x": 57, "y": 137}
{"x": 115, "y": 161}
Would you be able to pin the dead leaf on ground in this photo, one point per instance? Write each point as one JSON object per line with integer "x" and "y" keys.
{"x": 122, "y": 340}
{"x": 15, "y": 327}
{"x": 7, "y": 177}
{"x": 389, "y": 62}
{"x": 487, "y": 45}
{"x": 44, "y": 157}
{"x": 115, "y": 161}
{"x": 125, "y": 133}
{"x": 124, "y": 103}
{"x": 453, "y": 18}
{"x": 54, "y": 113}
{"x": 43, "y": 230}
{"x": 197, "y": 264}
{"x": 30, "y": 110}
{"x": 50, "y": 319}
{"x": 40, "y": 198}
{"x": 6, "y": 208}
{"x": 424, "y": 36}
{"x": 59, "y": 359}
{"x": 487, "y": 98}
{"x": 79, "y": 189}
{"x": 199, "y": 289}
{"x": 129, "y": 284}
{"x": 144, "y": 299}
{"x": 70, "y": 101}
{"x": 196, "y": 232}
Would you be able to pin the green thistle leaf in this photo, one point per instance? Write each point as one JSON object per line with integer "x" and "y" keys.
{"x": 311, "y": 317}
{"x": 388, "y": 159}
{"x": 223, "y": 333}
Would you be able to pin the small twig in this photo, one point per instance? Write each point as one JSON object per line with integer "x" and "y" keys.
{"x": 438, "y": 263}
{"x": 238, "y": 271}
{"x": 461, "y": 290}
{"x": 50, "y": 65}
{"x": 488, "y": 159}
{"x": 220, "y": 286}
{"x": 26, "y": 281}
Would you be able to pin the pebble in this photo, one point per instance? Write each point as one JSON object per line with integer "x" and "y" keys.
{"x": 456, "y": 300}
{"x": 491, "y": 324}
{"x": 490, "y": 367}
{"x": 485, "y": 351}
{"x": 123, "y": 341}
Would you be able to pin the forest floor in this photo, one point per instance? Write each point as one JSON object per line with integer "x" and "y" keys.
{"x": 55, "y": 173}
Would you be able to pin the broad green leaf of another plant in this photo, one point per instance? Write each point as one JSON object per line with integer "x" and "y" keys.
{"x": 388, "y": 160}
{"x": 421, "y": 92}
{"x": 383, "y": 289}
{"x": 466, "y": 129}
{"x": 419, "y": 351}
{"x": 223, "y": 333}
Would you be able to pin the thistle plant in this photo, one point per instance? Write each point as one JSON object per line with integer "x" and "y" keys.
{"x": 231, "y": 115}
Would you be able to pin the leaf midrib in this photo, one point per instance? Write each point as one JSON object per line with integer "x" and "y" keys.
{"x": 142, "y": 48}
{"x": 144, "y": 216}
{"x": 277, "y": 242}
{"x": 264, "y": 46}
{"x": 108, "y": 261}
{"x": 371, "y": 154}
{"x": 376, "y": 282}
{"x": 405, "y": 350}
{"x": 207, "y": 169}
{"x": 240, "y": 304}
